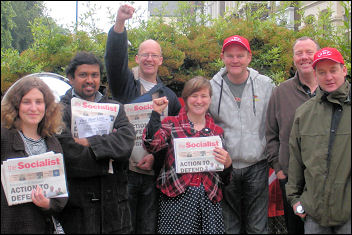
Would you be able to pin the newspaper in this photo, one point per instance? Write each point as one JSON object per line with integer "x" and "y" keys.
{"x": 19, "y": 176}
{"x": 91, "y": 118}
{"x": 139, "y": 114}
{"x": 195, "y": 154}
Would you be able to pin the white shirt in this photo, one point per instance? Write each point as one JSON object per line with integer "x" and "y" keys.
{"x": 147, "y": 85}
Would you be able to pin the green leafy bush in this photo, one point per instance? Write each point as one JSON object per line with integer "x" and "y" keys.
{"x": 191, "y": 45}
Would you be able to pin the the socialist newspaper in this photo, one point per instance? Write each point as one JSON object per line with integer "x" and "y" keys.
{"x": 195, "y": 154}
{"x": 139, "y": 114}
{"x": 91, "y": 118}
{"x": 19, "y": 176}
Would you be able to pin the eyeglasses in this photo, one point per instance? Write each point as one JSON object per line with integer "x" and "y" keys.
{"x": 146, "y": 55}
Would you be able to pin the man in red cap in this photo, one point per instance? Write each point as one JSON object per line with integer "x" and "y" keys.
{"x": 239, "y": 103}
{"x": 319, "y": 183}
{"x": 281, "y": 111}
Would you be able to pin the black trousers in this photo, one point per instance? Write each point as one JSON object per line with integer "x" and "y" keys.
{"x": 294, "y": 223}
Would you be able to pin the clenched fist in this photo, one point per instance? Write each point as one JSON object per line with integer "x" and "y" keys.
{"x": 125, "y": 12}
{"x": 160, "y": 104}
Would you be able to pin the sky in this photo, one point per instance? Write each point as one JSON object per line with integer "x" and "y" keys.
{"x": 64, "y": 12}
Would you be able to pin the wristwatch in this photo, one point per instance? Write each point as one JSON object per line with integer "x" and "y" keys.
{"x": 299, "y": 209}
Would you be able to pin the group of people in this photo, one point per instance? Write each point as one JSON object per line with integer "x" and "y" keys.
{"x": 301, "y": 129}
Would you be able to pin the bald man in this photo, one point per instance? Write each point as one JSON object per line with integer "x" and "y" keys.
{"x": 128, "y": 87}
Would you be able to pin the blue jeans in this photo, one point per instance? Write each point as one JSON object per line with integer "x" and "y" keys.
{"x": 142, "y": 197}
{"x": 312, "y": 227}
{"x": 246, "y": 198}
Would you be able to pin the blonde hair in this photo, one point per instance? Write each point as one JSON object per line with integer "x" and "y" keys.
{"x": 52, "y": 121}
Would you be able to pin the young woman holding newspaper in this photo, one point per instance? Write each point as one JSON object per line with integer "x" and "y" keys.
{"x": 29, "y": 119}
{"x": 189, "y": 202}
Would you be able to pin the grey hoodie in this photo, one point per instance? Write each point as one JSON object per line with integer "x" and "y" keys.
{"x": 244, "y": 127}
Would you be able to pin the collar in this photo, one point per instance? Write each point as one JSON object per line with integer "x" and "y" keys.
{"x": 188, "y": 128}
{"x": 18, "y": 144}
{"x": 98, "y": 95}
{"x": 305, "y": 88}
{"x": 339, "y": 96}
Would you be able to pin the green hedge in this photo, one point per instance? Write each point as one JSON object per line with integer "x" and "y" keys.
{"x": 187, "y": 53}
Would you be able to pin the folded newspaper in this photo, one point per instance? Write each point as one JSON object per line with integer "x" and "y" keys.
{"x": 195, "y": 154}
{"x": 19, "y": 176}
{"x": 139, "y": 114}
{"x": 91, "y": 118}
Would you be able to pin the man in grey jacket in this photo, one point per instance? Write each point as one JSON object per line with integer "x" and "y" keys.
{"x": 239, "y": 103}
{"x": 281, "y": 111}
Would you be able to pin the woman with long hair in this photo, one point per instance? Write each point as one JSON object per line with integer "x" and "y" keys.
{"x": 30, "y": 118}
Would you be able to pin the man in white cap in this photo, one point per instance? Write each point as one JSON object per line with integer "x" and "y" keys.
{"x": 239, "y": 103}
{"x": 319, "y": 182}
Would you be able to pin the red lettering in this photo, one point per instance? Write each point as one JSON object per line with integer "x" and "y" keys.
{"x": 97, "y": 106}
{"x": 46, "y": 162}
{"x": 145, "y": 107}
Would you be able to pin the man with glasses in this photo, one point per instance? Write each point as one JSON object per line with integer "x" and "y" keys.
{"x": 128, "y": 87}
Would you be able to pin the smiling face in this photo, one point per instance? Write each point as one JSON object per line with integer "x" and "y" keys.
{"x": 32, "y": 108}
{"x": 330, "y": 75}
{"x": 236, "y": 59}
{"x": 86, "y": 81}
{"x": 198, "y": 102}
{"x": 303, "y": 56}
{"x": 149, "y": 59}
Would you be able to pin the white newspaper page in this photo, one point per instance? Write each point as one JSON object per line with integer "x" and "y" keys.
{"x": 139, "y": 114}
{"x": 91, "y": 118}
{"x": 195, "y": 154}
{"x": 22, "y": 175}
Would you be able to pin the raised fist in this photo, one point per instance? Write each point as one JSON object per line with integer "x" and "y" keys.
{"x": 125, "y": 12}
{"x": 160, "y": 104}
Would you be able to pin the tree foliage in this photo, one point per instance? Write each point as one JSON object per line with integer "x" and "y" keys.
{"x": 17, "y": 17}
{"x": 7, "y": 24}
{"x": 191, "y": 44}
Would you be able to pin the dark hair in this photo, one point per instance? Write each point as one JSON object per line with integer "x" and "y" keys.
{"x": 80, "y": 58}
{"x": 194, "y": 85}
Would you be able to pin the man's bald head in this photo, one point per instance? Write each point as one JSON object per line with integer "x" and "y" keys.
{"x": 149, "y": 43}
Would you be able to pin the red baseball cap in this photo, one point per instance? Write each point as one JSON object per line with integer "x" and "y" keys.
{"x": 236, "y": 39}
{"x": 328, "y": 53}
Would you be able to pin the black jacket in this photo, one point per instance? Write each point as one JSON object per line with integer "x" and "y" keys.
{"x": 123, "y": 85}
{"x": 26, "y": 217}
{"x": 97, "y": 200}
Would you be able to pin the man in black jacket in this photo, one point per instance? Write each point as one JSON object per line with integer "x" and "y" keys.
{"x": 127, "y": 88}
{"x": 96, "y": 166}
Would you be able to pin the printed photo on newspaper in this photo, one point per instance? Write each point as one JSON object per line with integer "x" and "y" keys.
{"x": 195, "y": 154}
{"x": 139, "y": 114}
{"x": 91, "y": 118}
{"x": 19, "y": 176}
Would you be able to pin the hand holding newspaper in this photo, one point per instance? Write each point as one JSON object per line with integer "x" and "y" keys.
{"x": 19, "y": 176}
{"x": 139, "y": 114}
{"x": 195, "y": 154}
{"x": 91, "y": 118}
